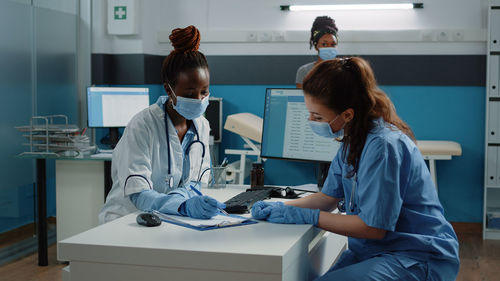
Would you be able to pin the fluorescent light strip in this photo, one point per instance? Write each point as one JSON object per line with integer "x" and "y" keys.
{"x": 401, "y": 6}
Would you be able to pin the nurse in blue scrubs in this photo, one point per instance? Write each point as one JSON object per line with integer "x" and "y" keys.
{"x": 393, "y": 218}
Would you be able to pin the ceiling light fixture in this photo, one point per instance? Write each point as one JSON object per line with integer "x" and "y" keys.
{"x": 400, "y": 6}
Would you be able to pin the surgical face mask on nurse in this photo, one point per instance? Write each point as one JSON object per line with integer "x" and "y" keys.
{"x": 324, "y": 129}
{"x": 327, "y": 53}
{"x": 189, "y": 108}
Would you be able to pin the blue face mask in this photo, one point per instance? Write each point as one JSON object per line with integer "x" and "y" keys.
{"x": 190, "y": 108}
{"x": 323, "y": 129}
{"x": 327, "y": 53}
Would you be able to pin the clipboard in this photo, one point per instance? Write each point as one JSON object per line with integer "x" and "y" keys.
{"x": 219, "y": 221}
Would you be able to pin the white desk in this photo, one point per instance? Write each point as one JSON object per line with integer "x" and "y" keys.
{"x": 79, "y": 195}
{"x": 80, "y": 187}
{"x": 123, "y": 250}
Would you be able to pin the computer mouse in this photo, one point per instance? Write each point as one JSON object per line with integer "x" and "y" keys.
{"x": 148, "y": 219}
{"x": 287, "y": 193}
{"x": 290, "y": 193}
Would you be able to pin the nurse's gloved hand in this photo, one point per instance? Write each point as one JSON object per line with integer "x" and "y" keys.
{"x": 293, "y": 215}
{"x": 202, "y": 207}
{"x": 261, "y": 209}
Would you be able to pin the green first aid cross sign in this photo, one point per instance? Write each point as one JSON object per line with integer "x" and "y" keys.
{"x": 121, "y": 17}
{"x": 120, "y": 12}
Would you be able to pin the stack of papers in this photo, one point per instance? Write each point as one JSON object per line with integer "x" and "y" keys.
{"x": 217, "y": 221}
{"x": 102, "y": 155}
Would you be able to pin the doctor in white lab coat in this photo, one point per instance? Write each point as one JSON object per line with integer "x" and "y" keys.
{"x": 163, "y": 156}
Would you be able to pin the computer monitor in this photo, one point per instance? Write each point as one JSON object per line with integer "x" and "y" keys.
{"x": 286, "y": 133}
{"x": 113, "y": 107}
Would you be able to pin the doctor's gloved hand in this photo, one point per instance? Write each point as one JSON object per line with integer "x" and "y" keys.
{"x": 293, "y": 215}
{"x": 262, "y": 209}
{"x": 202, "y": 207}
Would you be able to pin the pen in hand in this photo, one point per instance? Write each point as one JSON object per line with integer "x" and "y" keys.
{"x": 193, "y": 188}
{"x": 224, "y": 162}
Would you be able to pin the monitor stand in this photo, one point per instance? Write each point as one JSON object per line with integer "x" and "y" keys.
{"x": 323, "y": 173}
{"x": 113, "y": 137}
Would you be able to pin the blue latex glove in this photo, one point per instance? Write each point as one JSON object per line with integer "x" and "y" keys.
{"x": 261, "y": 209}
{"x": 201, "y": 207}
{"x": 293, "y": 215}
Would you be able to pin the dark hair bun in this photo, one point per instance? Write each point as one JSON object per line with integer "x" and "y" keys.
{"x": 185, "y": 39}
{"x": 325, "y": 23}
{"x": 321, "y": 26}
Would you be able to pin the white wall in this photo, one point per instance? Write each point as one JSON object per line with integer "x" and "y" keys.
{"x": 69, "y": 7}
{"x": 226, "y": 24}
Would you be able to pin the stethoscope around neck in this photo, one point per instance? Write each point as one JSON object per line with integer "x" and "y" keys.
{"x": 352, "y": 201}
{"x": 170, "y": 179}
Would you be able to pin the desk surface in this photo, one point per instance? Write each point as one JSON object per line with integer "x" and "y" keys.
{"x": 81, "y": 157}
{"x": 262, "y": 248}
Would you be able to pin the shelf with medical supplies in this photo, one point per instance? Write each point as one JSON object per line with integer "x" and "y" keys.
{"x": 218, "y": 221}
{"x": 51, "y": 135}
{"x": 492, "y": 212}
{"x": 491, "y": 216}
{"x": 82, "y": 183}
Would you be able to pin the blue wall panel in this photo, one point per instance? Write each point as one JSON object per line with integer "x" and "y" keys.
{"x": 457, "y": 114}
{"x": 433, "y": 112}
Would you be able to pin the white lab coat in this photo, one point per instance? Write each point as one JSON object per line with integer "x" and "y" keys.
{"x": 140, "y": 161}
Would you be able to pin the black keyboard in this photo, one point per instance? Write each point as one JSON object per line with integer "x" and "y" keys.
{"x": 242, "y": 203}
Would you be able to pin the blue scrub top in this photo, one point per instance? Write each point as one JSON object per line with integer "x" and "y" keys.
{"x": 394, "y": 192}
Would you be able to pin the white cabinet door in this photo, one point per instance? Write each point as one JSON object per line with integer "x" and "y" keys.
{"x": 493, "y": 121}
{"x": 79, "y": 196}
{"x": 491, "y": 169}
{"x": 493, "y": 76}
{"x": 495, "y": 30}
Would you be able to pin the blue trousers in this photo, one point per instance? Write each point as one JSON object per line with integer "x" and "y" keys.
{"x": 390, "y": 267}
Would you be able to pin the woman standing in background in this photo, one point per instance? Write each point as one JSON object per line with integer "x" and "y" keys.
{"x": 324, "y": 39}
